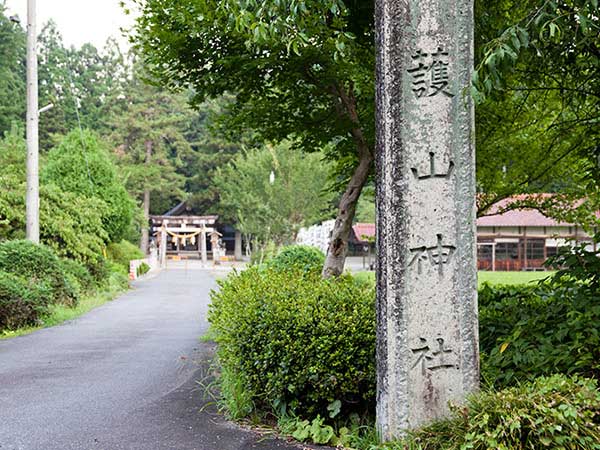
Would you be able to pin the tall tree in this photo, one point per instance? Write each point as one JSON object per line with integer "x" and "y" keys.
{"x": 148, "y": 126}
{"x": 82, "y": 165}
{"x": 297, "y": 69}
{"x": 210, "y": 150}
{"x": 12, "y": 72}
{"x": 273, "y": 191}
{"x": 79, "y": 82}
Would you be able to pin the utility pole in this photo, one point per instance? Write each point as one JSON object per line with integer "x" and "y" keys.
{"x": 33, "y": 188}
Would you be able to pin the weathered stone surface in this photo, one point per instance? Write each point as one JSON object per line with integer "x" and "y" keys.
{"x": 427, "y": 287}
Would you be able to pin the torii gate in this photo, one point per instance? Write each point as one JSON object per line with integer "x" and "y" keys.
{"x": 183, "y": 229}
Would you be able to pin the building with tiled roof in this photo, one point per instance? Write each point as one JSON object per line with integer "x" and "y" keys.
{"x": 520, "y": 239}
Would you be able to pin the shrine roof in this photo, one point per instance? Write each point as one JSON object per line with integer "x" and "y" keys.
{"x": 187, "y": 219}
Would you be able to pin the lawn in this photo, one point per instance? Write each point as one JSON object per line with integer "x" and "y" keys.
{"x": 489, "y": 277}
{"x": 511, "y": 277}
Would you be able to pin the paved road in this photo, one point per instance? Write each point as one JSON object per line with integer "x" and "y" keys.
{"x": 121, "y": 377}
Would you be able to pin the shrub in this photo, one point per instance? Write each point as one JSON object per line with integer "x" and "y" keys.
{"x": 299, "y": 257}
{"x": 21, "y": 303}
{"x": 82, "y": 165}
{"x": 143, "y": 269}
{"x": 500, "y": 309}
{"x": 297, "y": 343}
{"x": 123, "y": 252}
{"x": 79, "y": 275}
{"x": 39, "y": 265}
{"x": 552, "y": 328}
{"x": 554, "y": 413}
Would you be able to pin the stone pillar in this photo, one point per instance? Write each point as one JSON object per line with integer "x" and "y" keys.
{"x": 163, "y": 247}
{"x": 214, "y": 245}
{"x": 427, "y": 332}
{"x": 238, "y": 246}
{"x": 203, "y": 253}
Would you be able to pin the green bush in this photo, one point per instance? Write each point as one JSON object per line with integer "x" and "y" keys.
{"x": 22, "y": 303}
{"x": 298, "y": 257}
{"x": 38, "y": 265}
{"x": 553, "y": 413}
{"x": 123, "y": 252}
{"x": 82, "y": 165}
{"x": 79, "y": 275}
{"x": 528, "y": 332}
{"x": 296, "y": 343}
{"x": 143, "y": 269}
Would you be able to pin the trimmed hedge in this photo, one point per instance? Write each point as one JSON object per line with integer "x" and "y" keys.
{"x": 21, "y": 303}
{"x": 298, "y": 257}
{"x": 39, "y": 265}
{"x": 294, "y": 342}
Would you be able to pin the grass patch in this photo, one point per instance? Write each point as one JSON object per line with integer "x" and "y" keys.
{"x": 60, "y": 313}
{"x": 508, "y": 278}
{"x": 511, "y": 277}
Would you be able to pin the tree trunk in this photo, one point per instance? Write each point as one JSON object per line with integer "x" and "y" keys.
{"x": 338, "y": 243}
{"x": 146, "y": 206}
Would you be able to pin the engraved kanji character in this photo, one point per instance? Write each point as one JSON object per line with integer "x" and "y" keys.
{"x": 419, "y": 85}
{"x": 439, "y": 73}
{"x": 432, "y": 359}
{"x": 432, "y": 170}
{"x": 438, "y": 255}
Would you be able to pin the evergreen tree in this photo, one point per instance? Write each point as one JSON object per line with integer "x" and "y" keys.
{"x": 147, "y": 131}
{"x": 12, "y": 72}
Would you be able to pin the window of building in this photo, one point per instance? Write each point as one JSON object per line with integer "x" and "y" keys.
{"x": 535, "y": 248}
{"x": 507, "y": 251}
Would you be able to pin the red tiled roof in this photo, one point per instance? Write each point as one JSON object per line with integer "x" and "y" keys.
{"x": 364, "y": 229}
{"x": 513, "y": 218}
{"x": 517, "y": 217}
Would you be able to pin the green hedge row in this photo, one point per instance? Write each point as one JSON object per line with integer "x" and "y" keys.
{"x": 33, "y": 277}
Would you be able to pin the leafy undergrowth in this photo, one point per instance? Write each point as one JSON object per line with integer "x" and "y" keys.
{"x": 554, "y": 412}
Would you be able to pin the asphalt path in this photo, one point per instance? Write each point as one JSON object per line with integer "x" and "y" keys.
{"x": 124, "y": 376}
